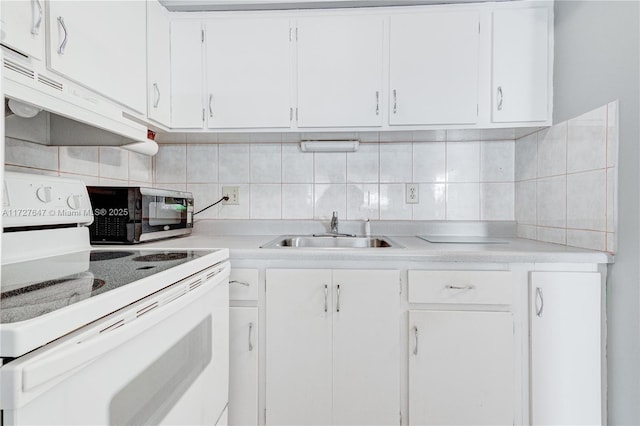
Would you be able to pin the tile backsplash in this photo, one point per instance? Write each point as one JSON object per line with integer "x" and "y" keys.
{"x": 558, "y": 184}
{"x": 94, "y": 165}
{"x": 457, "y": 180}
{"x": 565, "y": 181}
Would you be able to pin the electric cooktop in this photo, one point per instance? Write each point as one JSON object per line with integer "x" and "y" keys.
{"x": 36, "y": 287}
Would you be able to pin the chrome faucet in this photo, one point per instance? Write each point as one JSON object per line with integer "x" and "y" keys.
{"x": 334, "y": 223}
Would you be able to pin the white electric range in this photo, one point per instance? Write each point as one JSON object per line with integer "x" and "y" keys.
{"x": 103, "y": 336}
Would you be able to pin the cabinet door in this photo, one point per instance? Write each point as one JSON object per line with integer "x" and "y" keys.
{"x": 102, "y": 46}
{"x": 340, "y": 71}
{"x": 248, "y": 73}
{"x": 298, "y": 340}
{"x": 520, "y": 65}
{"x": 23, "y": 26}
{"x": 158, "y": 64}
{"x": 243, "y": 366}
{"x": 186, "y": 75}
{"x": 366, "y": 347}
{"x": 565, "y": 348}
{"x": 434, "y": 68}
{"x": 461, "y": 368}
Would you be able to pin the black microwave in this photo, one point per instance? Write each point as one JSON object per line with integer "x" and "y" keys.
{"x": 134, "y": 214}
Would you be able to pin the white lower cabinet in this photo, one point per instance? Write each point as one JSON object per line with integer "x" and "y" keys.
{"x": 244, "y": 343}
{"x": 461, "y": 348}
{"x": 461, "y": 368}
{"x": 333, "y": 347}
{"x": 243, "y": 366}
{"x": 566, "y": 348}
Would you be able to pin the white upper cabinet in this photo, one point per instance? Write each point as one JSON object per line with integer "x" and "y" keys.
{"x": 340, "y": 71}
{"x": 434, "y": 68}
{"x": 23, "y": 26}
{"x": 477, "y": 65}
{"x": 248, "y": 73}
{"x": 158, "y": 64}
{"x": 102, "y": 46}
{"x": 187, "y": 88}
{"x": 520, "y": 62}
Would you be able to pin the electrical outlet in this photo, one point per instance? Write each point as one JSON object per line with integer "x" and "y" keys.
{"x": 412, "y": 193}
{"x": 233, "y": 192}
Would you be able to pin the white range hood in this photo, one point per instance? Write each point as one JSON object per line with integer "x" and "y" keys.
{"x": 70, "y": 115}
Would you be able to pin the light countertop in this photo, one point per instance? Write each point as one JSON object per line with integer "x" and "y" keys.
{"x": 516, "y": 250}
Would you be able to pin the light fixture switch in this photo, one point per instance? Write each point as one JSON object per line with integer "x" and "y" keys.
{"x": 412, "y": 193}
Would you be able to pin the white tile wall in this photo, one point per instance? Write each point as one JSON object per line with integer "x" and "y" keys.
{"x": 233, "y": 164}
{"x": 558, "y": 184}
{"x": 396, "y": 161}
{"x": 463, "y": 162}
{"x": 565, "y": 189}
{"x": 93, "y": 165}
{"x": 80, "y": 160}
{"x": 284, "y": 183}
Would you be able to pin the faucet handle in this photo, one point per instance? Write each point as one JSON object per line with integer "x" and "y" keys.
{"x": 335, "y": 215}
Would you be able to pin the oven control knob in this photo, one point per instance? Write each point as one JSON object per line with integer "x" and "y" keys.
{"x": 73, "y": 202}
{"x": 44, "y": 194}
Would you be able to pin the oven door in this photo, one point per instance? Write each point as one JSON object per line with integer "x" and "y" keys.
{"x": 162, "y": 360}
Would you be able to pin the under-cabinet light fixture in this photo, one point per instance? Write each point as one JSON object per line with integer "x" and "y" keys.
{"x": 329, "y": 146}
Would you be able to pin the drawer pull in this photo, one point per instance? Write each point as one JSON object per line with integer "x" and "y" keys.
{"x": 338, "y": 299}
{"x": 460, "y": 287}
{"x": 239, "y": 282}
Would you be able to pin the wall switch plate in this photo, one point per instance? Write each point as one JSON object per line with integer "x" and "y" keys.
{"x": 412, "y": 193}
{"x": 233, "y": 192}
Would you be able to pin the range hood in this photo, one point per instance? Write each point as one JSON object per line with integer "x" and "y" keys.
{"x": 65, "y": 115}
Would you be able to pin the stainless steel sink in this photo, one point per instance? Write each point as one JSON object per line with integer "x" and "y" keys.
{"x": 330, "y": 242}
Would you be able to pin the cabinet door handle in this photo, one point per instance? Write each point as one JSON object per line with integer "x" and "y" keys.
{"x": 35, "y": 30}
{"x": 500, "y": 98}
{"x": 66, "y": 36}
{"x": 539, "y": 306}
{"x": 210, "y": 105}
{"x": 326, "y": 296}
{"x": 338, "y": 298}
{"x": 377, "y": 102}
{"x": 239, "y": 282}
{"x": 250, "y": 336}
{"x": 395, "y": 101}
{"x": 460, "y": 287}
{"x": 415, "y": 336}
{"x": 157, "y": 90}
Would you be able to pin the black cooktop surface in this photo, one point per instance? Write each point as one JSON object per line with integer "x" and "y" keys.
{"x": 36, "y": 287}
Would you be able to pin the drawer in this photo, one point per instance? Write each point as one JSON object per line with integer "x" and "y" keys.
{"x": 243, "y": 284}
{"x": 462, "y": 287}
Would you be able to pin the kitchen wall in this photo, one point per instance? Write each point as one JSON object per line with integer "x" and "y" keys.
{"x": 566, "y": 181}
{"x": 93, "y": 165}
{"x": 460, "y": 176}
{"x": 597, "y": 60}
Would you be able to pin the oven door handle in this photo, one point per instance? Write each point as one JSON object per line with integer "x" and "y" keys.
{"x": 79, "y": 353}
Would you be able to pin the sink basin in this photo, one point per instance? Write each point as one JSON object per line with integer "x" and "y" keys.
{"x": 330, "y": 242}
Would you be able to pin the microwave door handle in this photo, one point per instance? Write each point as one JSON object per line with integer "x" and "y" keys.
{"x": 73, "y": 354}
